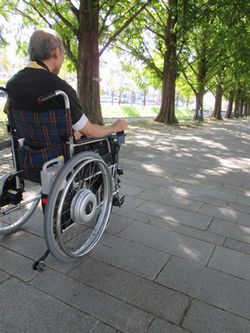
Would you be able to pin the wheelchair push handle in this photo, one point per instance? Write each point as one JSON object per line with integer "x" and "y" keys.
{"x": 43, "y": 99}
{"x": 4, "y": 90}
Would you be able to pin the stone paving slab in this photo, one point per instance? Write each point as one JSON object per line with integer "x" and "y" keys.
{"x": 118, "y": 223}
{"x": 160, "y": 325}
{"x": 151, "y": 297}
{"x": 142, "y": 260}
{"x": 171, "y": 200}
{"x": 219, "y": 289}
{"x": 169, "y": 242}
{"x": 244, "y": 200}
{"x": 186, "y": 230}
{"x": 202, "y": 317}
{"x": 237, "y": 245}
{"x": 175, "y": 214}
{"x": 169, "y": 225}
{"x": 24, "y": 309}
{"x": 112, "y": 311}
{"x": 24, "y": 243}
{"x": 230, "y": 229}
{"x": 226, "y": 214}
{"x": 203, "y": 192}
{"x": 16, "y": 264}
{"x": 231, "y": 262}
{"x": 3, "y": 276}
{"x": 167, "y": 185}
{"x": 174, "y": 257}
{"x": 240, "y": 207}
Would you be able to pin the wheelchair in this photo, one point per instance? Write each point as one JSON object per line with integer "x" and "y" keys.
{"x": 76, "y": 182}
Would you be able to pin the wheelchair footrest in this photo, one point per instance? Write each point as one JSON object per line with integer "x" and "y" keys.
{"x": 118, "y": 200}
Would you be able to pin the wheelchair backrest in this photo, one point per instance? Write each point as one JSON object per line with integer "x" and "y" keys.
{"x": 39, "y": 137}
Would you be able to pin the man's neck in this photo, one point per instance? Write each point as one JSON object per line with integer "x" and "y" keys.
{"x": 48, "y": 63}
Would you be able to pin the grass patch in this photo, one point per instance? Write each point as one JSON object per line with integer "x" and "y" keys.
{"x": 126, "y": 110}
{"x": 117, "y": 111}
{"x": 130, "y": 111}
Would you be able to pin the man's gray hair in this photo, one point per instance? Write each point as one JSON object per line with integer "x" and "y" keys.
{"x": 43, "y": 42}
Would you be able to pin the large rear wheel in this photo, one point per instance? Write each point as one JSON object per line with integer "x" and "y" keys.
{"x": 78, "y": 207}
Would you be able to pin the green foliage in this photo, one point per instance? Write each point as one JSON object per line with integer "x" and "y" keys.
{"x": 213, "y": 38}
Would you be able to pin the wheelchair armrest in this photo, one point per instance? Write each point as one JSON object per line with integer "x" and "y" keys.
{"x": 118, "y": 138}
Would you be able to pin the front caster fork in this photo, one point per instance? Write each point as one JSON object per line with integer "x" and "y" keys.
{"x": 39, "y": 265}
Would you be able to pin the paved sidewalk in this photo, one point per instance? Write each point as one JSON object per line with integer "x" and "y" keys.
{"x": 175, "y": 258}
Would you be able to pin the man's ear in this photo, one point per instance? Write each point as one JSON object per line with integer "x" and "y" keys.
{"x": 55, "y": 53}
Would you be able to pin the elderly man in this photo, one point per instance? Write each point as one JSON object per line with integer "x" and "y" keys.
{"x": 40, "y": 78}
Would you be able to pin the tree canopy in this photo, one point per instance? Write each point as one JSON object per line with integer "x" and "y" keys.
{"x": 204, "y": 44}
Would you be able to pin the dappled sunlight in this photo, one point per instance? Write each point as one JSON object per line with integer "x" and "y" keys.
{"x": 180, "y": 191}
{"x": 14, "y": 236}
{"x": 202, "y": 140}
{"x": 191, "y": 253}
{"x": 228, "y": 212}
{"x": 199, "y": 176}
{"x": 216, "y": 172}
{"x": 184, "y": 154}
{"x": 153, "y": 168}
{"x": 244, "y": 229}
{"x": 234, "y": 163}
{"x": 231, "y": 162}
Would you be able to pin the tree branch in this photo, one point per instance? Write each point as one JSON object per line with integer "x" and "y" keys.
{"x": 38, "y": 12}
{"x": 74, "y": 10}
{"x": 154, "y": 32}
{"x": 58, "y": 13}
{"x": 70, "y": 54}
{"x": 123, "y": 27}
{"x": 188, "y": 81}
{"x": 102, "y": 28}
{"x": 162, "y": 23}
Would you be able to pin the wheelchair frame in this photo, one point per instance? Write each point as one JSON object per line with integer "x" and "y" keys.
{"x": 79, "y": 204}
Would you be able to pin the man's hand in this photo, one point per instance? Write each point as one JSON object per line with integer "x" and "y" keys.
{"x": 120, "y": 125}
{"x": 77, "y": 135}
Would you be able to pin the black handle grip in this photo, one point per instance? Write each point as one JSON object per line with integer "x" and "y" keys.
{"x": 45, "y": 98}
{"x": 4, "y": 90}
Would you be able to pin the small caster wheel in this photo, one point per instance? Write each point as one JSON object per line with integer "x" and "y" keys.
{"x": 39, "y": 266}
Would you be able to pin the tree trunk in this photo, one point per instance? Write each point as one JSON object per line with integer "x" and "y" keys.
{"x": 167, "y": 110}
{"x": 245, "y": 110}
{"x": 230, "y": 105}
{"x": 241, "y": 108}
{"x": 248, "y": 109}
{"x": 198, "y": 114}
{"x": 201, "y": 79}
{"x": 88, "y": 61}
{"x": 237, "y": 105}
{"x": 217, "y": 105}
{"x": 145, "y": 92}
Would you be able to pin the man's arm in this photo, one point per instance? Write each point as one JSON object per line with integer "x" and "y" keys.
{"x": 91, "y": 130}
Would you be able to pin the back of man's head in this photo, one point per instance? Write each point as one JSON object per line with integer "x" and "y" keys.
{"x": 43, "y": 42}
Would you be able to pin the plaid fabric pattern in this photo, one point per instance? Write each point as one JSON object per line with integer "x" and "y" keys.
{"x": 46, "y": 136}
